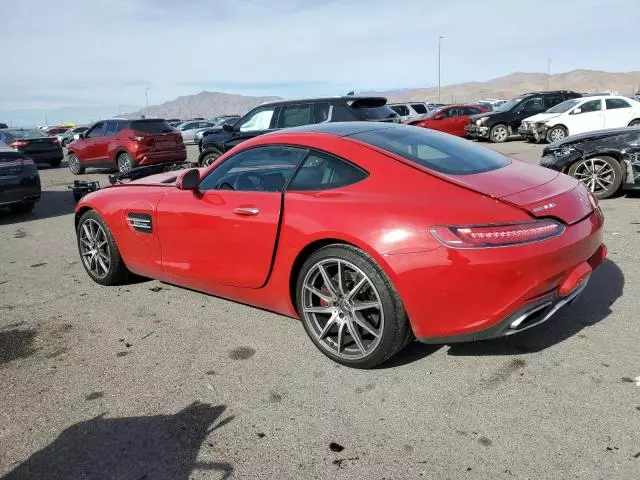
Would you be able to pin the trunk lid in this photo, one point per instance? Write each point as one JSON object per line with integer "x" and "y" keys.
{"x": 35, "y": 145}
{"x": 540, "y": 191}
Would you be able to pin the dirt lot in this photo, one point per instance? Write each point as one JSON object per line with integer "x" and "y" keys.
{"x": 152, "y": 381}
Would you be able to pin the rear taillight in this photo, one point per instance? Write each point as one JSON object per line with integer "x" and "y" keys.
{"x": 593, "y": 200}
{"x": 18, "y": 144}
{"x": 55, "y": 140}
{"x": 487, "y": 236}
{"x": 136, "y": 138}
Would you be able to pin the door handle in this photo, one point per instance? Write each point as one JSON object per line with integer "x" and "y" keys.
{"x": 246, "y": 211}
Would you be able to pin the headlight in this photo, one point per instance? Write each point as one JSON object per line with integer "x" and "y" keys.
{"x": 482, "y": 121}
{"x": 564, "y": 151}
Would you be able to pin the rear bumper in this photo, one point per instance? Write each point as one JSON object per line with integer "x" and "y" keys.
{"x": 45, "y": 157}
{"x": 475, "y": 131}
{"x": 27, "y": 191}
{"x": 457, "y": 294}
{"x": 150, "y": 157}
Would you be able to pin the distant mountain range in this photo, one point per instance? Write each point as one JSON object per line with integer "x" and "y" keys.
{"x": 208, "y": 104}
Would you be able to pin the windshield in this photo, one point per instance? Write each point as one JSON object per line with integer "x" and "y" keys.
{"x": 505, "y": 107}
{"x": 436, "y": 151}
{"x": 564, "y": 106}
{"x": 432, "y": 113}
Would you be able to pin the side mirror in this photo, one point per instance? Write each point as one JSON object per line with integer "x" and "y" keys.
{"x": 190, "y": 180}
{"x": 228, "y": 128}
{"x": 577, "y": 111}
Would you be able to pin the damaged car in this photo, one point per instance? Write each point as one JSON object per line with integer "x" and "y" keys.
{"x": 581, "y": 115}
{"x": 605, "y": 161}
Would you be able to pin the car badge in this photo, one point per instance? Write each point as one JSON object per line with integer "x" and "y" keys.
{"x": 548, "y": 206}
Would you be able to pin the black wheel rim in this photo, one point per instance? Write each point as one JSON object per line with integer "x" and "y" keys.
{"x": 209, "y": 159}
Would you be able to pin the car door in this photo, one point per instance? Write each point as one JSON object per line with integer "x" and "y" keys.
{"x": 527, "y": 108}
{"x": 586, "y": 117}
{"x": 225, "y": 234}
{"x": 463, "y": 119}
{"x": 257, "y": 122}
{"x": 87, "y": 149}
{"x": 618, "y": 113}
{"x": 446, "y": 120}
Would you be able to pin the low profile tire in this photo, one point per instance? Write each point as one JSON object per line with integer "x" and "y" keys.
{"x": 635, "y": 123}
{"x": 98, "y": 250}
{"x": 602, "y": 175}
{"x": 556, "y": 133}
{"x": 499, "y": 133}
{"x": 74, "y": 164}
{"x": 125, "y": 162}
{"x": 209, "y": 158}
{"x": 25, "y": 207}
{"x": 349, "y": 308}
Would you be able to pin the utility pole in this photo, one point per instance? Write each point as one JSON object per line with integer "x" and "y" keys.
{"x": 549, "y": 74}
{"x": 146, "y": 94}
{"x": 439, "y": 69}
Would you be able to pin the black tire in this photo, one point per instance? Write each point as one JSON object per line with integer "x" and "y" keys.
{"x": 74, "y": 164}
{"x": 635, "y": 122}
{"x": 125, "y": 162}
{"x": 556, "y": 133}
{"x": 55, "y": 163}
{"x": 395, "y": 332}
{"x": 615, "y": 179}
{"x": 499, "y": 133}
{"x": 210, "y": 157}
{"x": 25, "y": 207}
{"x": 117, "y": 271}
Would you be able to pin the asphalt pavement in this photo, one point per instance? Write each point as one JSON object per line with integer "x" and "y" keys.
{"x": 153, "y": 381}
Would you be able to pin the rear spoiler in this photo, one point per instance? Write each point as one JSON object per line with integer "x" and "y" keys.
{"x": 141, "y": 172}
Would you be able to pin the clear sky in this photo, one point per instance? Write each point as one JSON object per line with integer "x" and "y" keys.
{"x": 90, "y": 53}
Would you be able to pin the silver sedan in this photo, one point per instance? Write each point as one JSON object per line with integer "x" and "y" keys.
{"x": 189, "y": 129}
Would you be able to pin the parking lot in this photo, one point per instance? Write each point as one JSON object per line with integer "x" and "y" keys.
{"x": 152, "y": 381}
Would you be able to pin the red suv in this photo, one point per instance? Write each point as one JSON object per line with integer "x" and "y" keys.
{"x": 125, "y": 144}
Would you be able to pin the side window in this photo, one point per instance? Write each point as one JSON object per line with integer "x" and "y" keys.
{"x": 258, "y": 120}
{"x": 122, "y": 125}
{"x": 261, "y": 169}
{"x": 419, "y": 108}
{"x": 294, "y": 116}
{"x": 96, "y": 131}
{"x": 592, "y": 106}
{"x": 110, "y": 129}
{"x": 469, "y": 111}
{"x": 322, "y": 112}
{"x": 552, "y": 101}
{"x": 447, "y": 113}
{"x": 400, "y": 109}
{"x": 533, "y": 105}
{"x": 321, "y": 171}
{"x": 613, "y": 103}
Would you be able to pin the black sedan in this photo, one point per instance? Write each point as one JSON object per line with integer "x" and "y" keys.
{"x": 19, "y": 181}
{"x": 604, "y": 160}
{"x": 34, "y": 144}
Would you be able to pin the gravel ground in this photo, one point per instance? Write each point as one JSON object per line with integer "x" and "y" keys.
{"x": 152, "y": 381}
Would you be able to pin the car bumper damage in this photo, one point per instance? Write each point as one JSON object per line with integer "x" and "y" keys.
{"x": 533, "y": 131}
{"x": 476, "y": 131}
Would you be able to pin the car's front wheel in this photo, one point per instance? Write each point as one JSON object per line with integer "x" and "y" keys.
{"x": 602, "y": 175}
{"x": 499, "y": 133}
{"x": 349, "y": 308}
{"x": 556, "y": 133}
{"x": 209, "y": 158}
{"x": 74, "y": 164}
{"x": 635, "y": 123}
{"x": 98, "y": 250}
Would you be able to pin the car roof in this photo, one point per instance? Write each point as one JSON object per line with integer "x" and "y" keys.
{"x": 346, "y": 98}
{"x": 339, "y": 129}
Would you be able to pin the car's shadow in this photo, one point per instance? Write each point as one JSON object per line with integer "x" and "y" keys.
{"x": 53, "y": 203}
{"x": 152, "y": 447}
{"x": 605, "y": 287}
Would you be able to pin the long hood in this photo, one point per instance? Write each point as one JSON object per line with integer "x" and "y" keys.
{"x": 475, "y": 117}
{"x": 581, "y": 137}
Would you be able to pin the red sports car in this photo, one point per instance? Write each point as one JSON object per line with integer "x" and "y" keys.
{"x": 450, "y": 119}
{"x": 371, "y": 233}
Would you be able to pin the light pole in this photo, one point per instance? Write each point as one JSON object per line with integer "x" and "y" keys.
{"x": 549, "y": 74}
{"x": 439, "y": 50}
{"x": 146, "y": 94}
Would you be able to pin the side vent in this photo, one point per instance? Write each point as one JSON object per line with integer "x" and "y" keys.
{"x": 140, "y": 222}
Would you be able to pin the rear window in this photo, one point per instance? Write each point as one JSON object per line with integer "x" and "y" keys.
{"x": 375, "y": 113}
{"x": 151, "y": 126}
{"x": 436, "y": 151}
{"x": 419, "y": 108}
{"x": 7, "y": 135}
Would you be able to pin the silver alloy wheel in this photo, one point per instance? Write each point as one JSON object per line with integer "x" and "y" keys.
{"x": 342, "y": 309}
{"x": 74, "y": 163}
{"x": 124, "y": 162}
{"x": 500, "y": 134}
{"x": 94, "y": 248}
{"x": 596, "y": 174}
{"x": 557, "y": 134}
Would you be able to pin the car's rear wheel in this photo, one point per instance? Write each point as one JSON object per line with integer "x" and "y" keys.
{"x": 349, "y": 308}
{"x": 601, "y": 175}
{"x": 499, "y": 133}
{"x": 24, "y": 207}
{"x": 556, "y": 133}
{"x": 74, "y": 164}
{"x": 98, "y": 250}
{"x": 125, "y": 162}
{"x": 210, "y": 157}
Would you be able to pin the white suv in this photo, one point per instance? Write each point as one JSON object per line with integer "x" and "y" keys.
{"x": 581, "y": 115}
{"x": 409, "y": 110}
